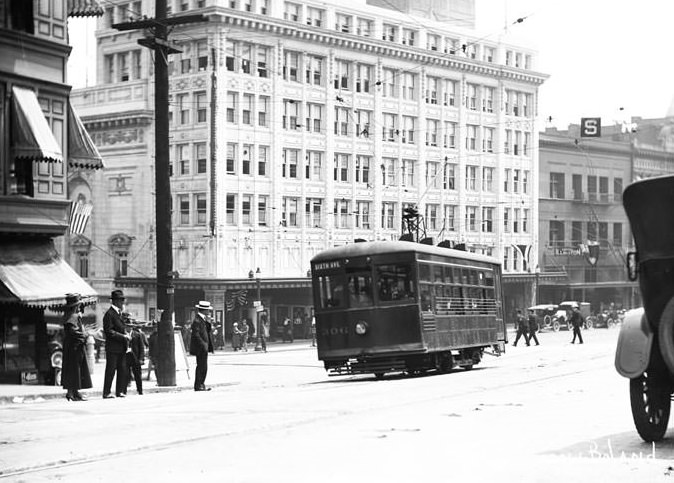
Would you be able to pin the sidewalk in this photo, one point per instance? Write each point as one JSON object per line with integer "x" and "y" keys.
{"x": 17, "y": 393}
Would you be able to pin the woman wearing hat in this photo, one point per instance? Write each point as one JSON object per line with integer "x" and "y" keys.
{"x": 75, "y": 374}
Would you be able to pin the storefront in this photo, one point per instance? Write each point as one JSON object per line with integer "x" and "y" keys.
{"x": 33, "y": 282}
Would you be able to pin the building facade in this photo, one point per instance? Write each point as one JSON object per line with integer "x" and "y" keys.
{"x": 298, "y": 126}
{"x": 41, "y": 141}
{"x": 584, "y": 231}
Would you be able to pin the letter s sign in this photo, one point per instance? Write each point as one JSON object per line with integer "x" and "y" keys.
{"x": 590, "y": 127}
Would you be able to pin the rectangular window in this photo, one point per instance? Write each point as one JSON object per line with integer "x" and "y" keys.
{"x": 408, "y": 130}
{"x": 246, "y": 159}
{"x": 341, "y": 79}
{"x": 184, "y": 158}
{"x": 230, "y": 209}
{"x": 341, "y": 173}
{"x": 363, "y": 77}
{"x": 471, "y": 137}
{"x": 363, "y": 169}
{"x": 408, "y": 86}
{"x": 389, "y": 129}
{"x": 488, "y": 179}
{"x": 471, "y": 178}
{"x": 262, "y": 160}
{"x": 471, "y": 218}
{"x": 432, "y": 85}
{"x": 184, "y": 209}
{"x": 247, "y": 112}
{"x": 449, "y": 136}
{"x": 202, "y": 55}
{"x": 343, "y": 23}
{"x": 262, "y": 203}
{"x": 389, "y": 33}
{"x": 292, "y": 12}
{"x": 200, "y": 202}
{"x": 313, "y": 69}
{"x": 432, "y": 174}
{"x": 487, "y": 219}
{"x": 364, "y": 27}
{"x": 362, "y": 214}
{"x": 408, "y": 37}
{"x": 313, "y": 213}
{"x": 291, "y": 119}
{"x": 388, "y": 167}
{"x": 576, "y": 234}
{"x": 290, "y": 66}
{"x": 450, "y": 217}
{"x": 183, "y": 108}
{"x": 448, "y": 92}
{"x": 516, "y": 181}
{"x": 289, "y": 167}
{"x": 314, "y": 166}
{"x": 289, "y": 211}
{"x": 407, "y": 173}
{"x": 341, "y": 213}
{"x": 232, "y": 107}
{"x": 246, "y": 209}
{"x": 201, "y": 106}
{"x": 315, "y": 16}
{"x": 231, "y": 158}
{"x": 83, "y": 264}
{"x": 388, "y": 210}
{"x": 390, "y": 82}
{"x": 617, "y": 189}
{"x": 557, "y": 186}
{"x": 262, "y": 111}
{"x": 363, "y": 119}
{"x": 342, "y": 121}
{"x": 432, "y": 132}
{"x": 432, "y": 216}
{"x": 603, "y": 189}
{"x": 556, "y": 234}
{"x": 262, "y": 56}
{"x": 617, "y": 235}
{"x": 506, "y": 219}
{"x": 201, "y": 156}
{"x": 449, "y": 178}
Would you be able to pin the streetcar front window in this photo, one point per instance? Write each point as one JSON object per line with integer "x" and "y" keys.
{"x": 360, "y": 289}
{"x": 395, "y": 283}
{"x": 331, "y": 290}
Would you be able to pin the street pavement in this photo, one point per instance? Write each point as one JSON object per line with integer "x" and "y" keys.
{"x": 217, "y": 376}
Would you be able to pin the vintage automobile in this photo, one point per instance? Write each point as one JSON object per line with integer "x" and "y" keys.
{"x": 561, "y": 316}
{"x": 544, "y": 314}
{"x": 645, "y": 351}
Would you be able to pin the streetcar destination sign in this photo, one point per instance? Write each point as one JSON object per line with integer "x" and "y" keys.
{"x": 327, "y": 265}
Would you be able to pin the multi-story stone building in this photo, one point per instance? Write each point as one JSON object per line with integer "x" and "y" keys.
{"x": 584, "y": 232}
{"x": 300, "y": 125}
{"x": 41, "y": 141}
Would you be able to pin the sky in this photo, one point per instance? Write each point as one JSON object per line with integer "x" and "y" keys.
{"x": 605, "y": 58}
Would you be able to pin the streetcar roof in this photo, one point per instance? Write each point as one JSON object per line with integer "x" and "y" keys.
{"x": 384, "y": 247}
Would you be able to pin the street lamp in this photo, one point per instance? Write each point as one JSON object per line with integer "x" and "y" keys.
{"x": 258, "y": 343}
{"x": 538, "y": 282}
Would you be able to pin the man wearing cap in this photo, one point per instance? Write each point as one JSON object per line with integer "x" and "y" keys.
{"x": 116, "y": 344}
{"x": 201, "y": 343}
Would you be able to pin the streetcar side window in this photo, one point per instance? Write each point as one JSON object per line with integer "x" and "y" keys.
{"x": 395, "y": 283}
{"x": 331, "y": 290}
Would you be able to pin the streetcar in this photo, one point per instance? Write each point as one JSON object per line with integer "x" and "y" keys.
{"x": 645, "y": 350}
{"x": 405, "y": 307}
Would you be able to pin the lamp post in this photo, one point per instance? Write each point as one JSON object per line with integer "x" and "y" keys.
{"x": 538, "y": 282}
{"x": 258, "y": 343}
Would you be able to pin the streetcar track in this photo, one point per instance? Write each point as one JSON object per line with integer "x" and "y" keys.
{"x": 289, "y": 425}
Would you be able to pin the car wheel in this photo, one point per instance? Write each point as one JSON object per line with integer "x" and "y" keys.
{"x": 666, "y": 335}
{"x": 556, "y": 325}
{"x": 651, "y": 403}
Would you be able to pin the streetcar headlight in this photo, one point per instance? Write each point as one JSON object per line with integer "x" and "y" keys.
{"x": 361, "y": 327}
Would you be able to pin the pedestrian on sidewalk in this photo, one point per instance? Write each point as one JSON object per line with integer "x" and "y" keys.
{"x": 264, "y": 331}
{"x": 243, "y": 329}
{"x": 136, "y": 357}
{"x": 236, "y": 337}
{"x": 522, "y": 328}
{"x": 201, "y": 343}
{"x": 576, "y": 322}
{"x": 75, "y": 373}
{"x": 532, "y": 326}
{"x": 313, "y": 328}
{"x": 116, "y": 343}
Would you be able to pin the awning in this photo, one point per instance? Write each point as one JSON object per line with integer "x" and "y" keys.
{"x": 32, "y": 273}
{"x": 82, "y": 152}
{"x": 32, "y": 138}
{"x": 84, "y": 8}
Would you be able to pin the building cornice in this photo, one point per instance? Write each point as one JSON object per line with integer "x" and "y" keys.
{"x": 307, "y": 33}
{"x": 122, "y": 119}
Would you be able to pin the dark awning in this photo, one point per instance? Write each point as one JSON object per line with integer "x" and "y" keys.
{"x": 32, "y": 138}
{"x": 82, "y": 152}
{"x": 32, "y": 273}
{"x": 84, "y": 8}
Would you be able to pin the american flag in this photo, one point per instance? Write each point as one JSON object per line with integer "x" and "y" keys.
{"x": 236, "y": 298}
{"x": 79, "y": 216}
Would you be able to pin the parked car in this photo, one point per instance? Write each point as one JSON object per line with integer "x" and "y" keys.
{"x": 544, "y": 314}
{"x": 561, "y": 317}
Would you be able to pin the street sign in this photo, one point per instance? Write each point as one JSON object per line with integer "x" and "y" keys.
{"x": 257, "y": 303}
{"x": 259, "y": 308}
{"x": 590, "y": 127}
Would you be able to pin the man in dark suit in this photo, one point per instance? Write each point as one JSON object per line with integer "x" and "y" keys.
{"x": 201, "y": 343}
{"x": 116, "y": 344}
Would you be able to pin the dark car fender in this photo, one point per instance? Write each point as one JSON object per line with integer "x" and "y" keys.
{"x": 634, "y": 345}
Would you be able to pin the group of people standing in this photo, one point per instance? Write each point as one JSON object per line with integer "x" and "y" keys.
{"x": 125, "y": 350}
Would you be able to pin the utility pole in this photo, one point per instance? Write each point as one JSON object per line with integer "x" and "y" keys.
{"x": 156, "y": 39}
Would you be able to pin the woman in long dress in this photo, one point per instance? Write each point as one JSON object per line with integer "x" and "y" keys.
{"x": 75, "y": 373}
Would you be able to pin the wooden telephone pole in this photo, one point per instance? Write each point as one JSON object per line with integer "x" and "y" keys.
{"x": 156, "y": 39}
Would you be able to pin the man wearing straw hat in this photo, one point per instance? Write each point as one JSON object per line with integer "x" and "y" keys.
{"x": 201, "y": 343}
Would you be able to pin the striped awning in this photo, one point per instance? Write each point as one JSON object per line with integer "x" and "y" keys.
{"x": 84, "y": 8}
{"x": 32, "y": 138}
{"x": 82, "y": 152}
{"x": 32, "y": 273}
